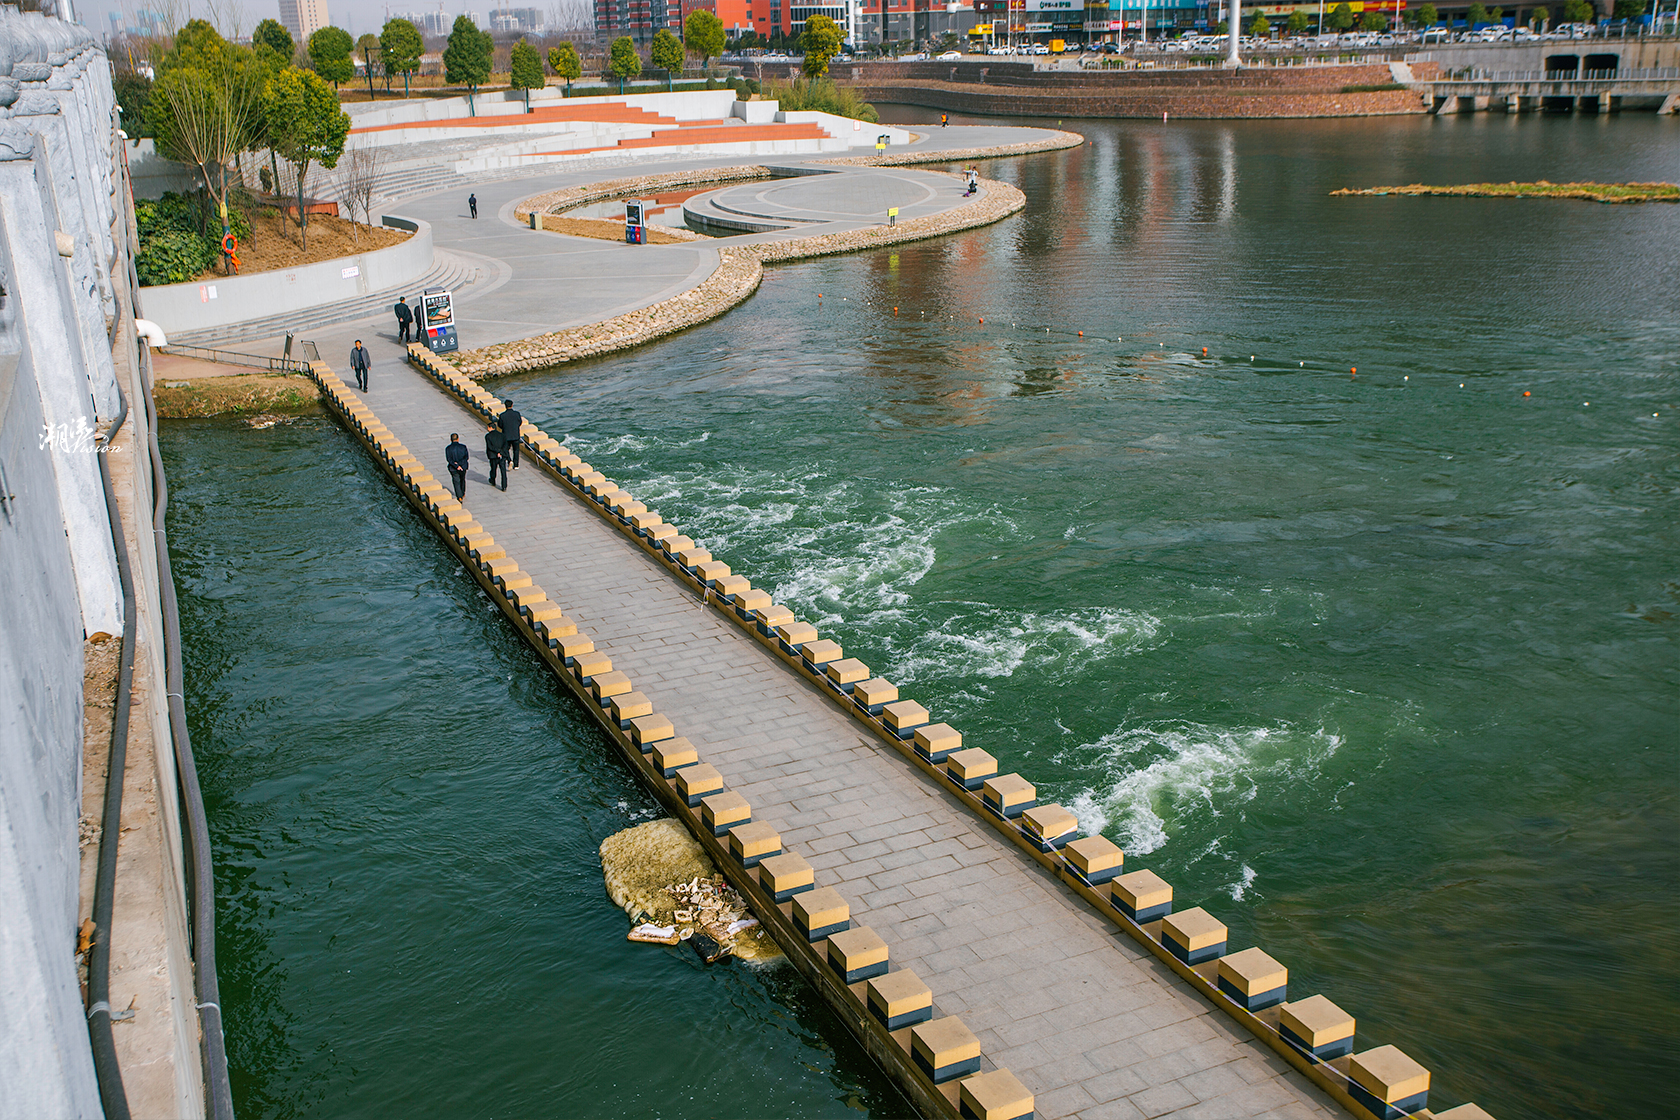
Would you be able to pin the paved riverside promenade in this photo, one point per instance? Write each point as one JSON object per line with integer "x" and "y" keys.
{"x": 533, "y": 282}
{"x": 1088, "y": 1022}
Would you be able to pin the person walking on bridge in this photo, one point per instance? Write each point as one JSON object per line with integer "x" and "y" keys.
{"x": 359, "y": 363}
{"x": 456, "y": 454}
{"x": 510, "y": 421}
{"x": 405, "y": 319}
{"x": 495, "y": 449}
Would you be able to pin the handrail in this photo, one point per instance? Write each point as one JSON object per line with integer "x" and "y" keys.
{"x": 234, "y": 358}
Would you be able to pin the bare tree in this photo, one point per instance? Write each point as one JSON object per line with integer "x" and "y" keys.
{"x": 358, "y": 179}
{"x": 226, "y": 16}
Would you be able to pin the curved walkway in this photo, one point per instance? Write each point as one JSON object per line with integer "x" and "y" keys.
{"x": 534, "y": 283}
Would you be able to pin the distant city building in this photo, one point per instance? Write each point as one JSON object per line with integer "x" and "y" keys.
{"x": 303, "y": 18}
{"x": 518, "y": 20}
{"x": 429, "y": 23}
{"x": 923, "y": 21}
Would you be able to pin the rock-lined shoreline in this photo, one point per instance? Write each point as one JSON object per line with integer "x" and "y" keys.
{"x": 740, "y": 267}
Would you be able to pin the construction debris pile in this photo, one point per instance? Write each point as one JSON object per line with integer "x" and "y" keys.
{"x": 661, "y": 877}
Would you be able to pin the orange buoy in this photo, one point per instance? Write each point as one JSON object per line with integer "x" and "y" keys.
{"x": 1204, "y": 351}
{"x": 1081, "y": 334}
{"x": 1526, "y": 393}
{"x": 1354, "y": 372}
{"x": 982, "y": 319}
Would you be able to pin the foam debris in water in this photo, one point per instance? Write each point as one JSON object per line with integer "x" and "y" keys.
{"x": 659, "y": 875}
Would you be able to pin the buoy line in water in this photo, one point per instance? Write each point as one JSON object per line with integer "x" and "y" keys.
{"x": 660, "y": 876}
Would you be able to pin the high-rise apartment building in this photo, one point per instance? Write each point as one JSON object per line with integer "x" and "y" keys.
{"x": 303, "y": 18}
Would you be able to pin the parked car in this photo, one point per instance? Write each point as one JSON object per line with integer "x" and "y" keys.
{"x": 951, "y": 56}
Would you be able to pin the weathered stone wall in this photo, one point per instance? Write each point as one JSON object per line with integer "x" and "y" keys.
{"x": 1145, "y": 103}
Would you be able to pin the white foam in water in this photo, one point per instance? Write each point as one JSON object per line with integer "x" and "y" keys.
{"x": 1240, "y": 889}
{"x": 1173, "y": 771}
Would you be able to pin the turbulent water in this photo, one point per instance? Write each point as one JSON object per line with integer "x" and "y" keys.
{"x": 1380, "y": 668}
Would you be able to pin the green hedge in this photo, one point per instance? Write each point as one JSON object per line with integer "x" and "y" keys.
{"x": 181, "y": 236}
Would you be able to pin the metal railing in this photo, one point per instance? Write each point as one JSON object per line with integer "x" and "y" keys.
{"x": 234, "y": 358}
{"x": 1650, "y": 74}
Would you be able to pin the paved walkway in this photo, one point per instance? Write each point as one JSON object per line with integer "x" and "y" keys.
{"x": 1093, "y": 1026}
{"x": 537, "y": 282}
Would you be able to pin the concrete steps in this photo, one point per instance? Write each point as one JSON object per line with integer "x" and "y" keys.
{"x": 448, "y": 271}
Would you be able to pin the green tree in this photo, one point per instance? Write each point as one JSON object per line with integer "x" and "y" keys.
{"x": 1427, "y": 16}
{"x": 134, "y": 94}
{"x": 1299, "y": 21}
{"x": 329, "y": 54}
{"x": 1497, "y": 15}
{"x": 623, "y": 60}
{"x": 1260, "y": 27}
{"x": 820, "y": 41}
{"x": 1579, "y": 11}
{"x": 466, "y": 58}
{"x": 525, "y": 70}
{"x": 400, "y": 48}
{"x": 703, "y": 35}
{"x": 273, "y": 35}
{"x": 1630, "y": 9}
{"x": 1538, "y": 18}
{"x": 206, "y": 106}
{"x": 1340, "y": 18}
{"x": 306, "y": 126}
{"x": 564, "y": 61}
{"x": 1373, "y": 20}
{"x": 368, "y": 46}
{"x": 667, "y": 53}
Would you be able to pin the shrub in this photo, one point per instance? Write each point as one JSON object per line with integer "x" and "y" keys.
{"x": 173, "y": 257}
{"x": 821, "y": 95}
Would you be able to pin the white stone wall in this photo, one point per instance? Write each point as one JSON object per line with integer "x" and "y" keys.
{"x": 57, "y": 250}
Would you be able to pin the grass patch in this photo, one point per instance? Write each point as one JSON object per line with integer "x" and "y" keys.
{"x": 1380, "y": 87}
{"x": 1586, "y": 192}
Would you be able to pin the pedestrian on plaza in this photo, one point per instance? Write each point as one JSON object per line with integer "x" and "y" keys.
{"x": 456, "y": 453}
{"x": 495, "y": 449}
{"x": 359, "y": 363}
{"x": 944, "y": 120}
{"x": 472, "y": 204}
{"x": 405, "y": 319}
{"x": 510, "y": 421}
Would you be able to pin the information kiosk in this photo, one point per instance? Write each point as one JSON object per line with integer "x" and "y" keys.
{"x": 437, "y": 316}
{"x": 635, "y": 221}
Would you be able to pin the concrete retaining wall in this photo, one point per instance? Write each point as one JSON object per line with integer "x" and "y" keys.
{"x": 179, "y": 308}
{"x": 854, "y": 134}
{"x": 64, "y": 254}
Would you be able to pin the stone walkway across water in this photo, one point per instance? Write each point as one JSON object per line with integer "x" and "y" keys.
{"x": 1092, "y": 1025}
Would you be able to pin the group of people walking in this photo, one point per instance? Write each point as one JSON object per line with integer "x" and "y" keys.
{"x": 501, "y": 449}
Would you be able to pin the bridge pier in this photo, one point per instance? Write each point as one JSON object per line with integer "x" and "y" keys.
{"x": 1671, "y": 104}
{"x": 1513, "y": 104}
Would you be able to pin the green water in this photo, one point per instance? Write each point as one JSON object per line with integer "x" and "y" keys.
{"x": 406, "y": 812}
{"x": 1382, "y": 670}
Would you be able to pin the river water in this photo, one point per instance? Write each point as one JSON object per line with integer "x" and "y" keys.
{"x": 1381, "y": 668}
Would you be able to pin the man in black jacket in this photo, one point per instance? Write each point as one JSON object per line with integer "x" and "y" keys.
{"x": 456, "y": 453}
{"x": 405, "y": 318}
{"x": 510, "y": 421}
{"x": 359, "y": 363}
{"x": 495, "y": 449}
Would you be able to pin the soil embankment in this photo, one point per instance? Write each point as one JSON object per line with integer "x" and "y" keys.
{"x": 188, "y": 389}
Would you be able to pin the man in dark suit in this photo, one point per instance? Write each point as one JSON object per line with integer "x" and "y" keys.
{"x": 359, "y": 363}
{"x": 456, "y": 453}
{"x": 495, "y": 449}
{"x": 405, "y": 318}
{"x": 472, "y": 204}
{"x": 510, "y": 421}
